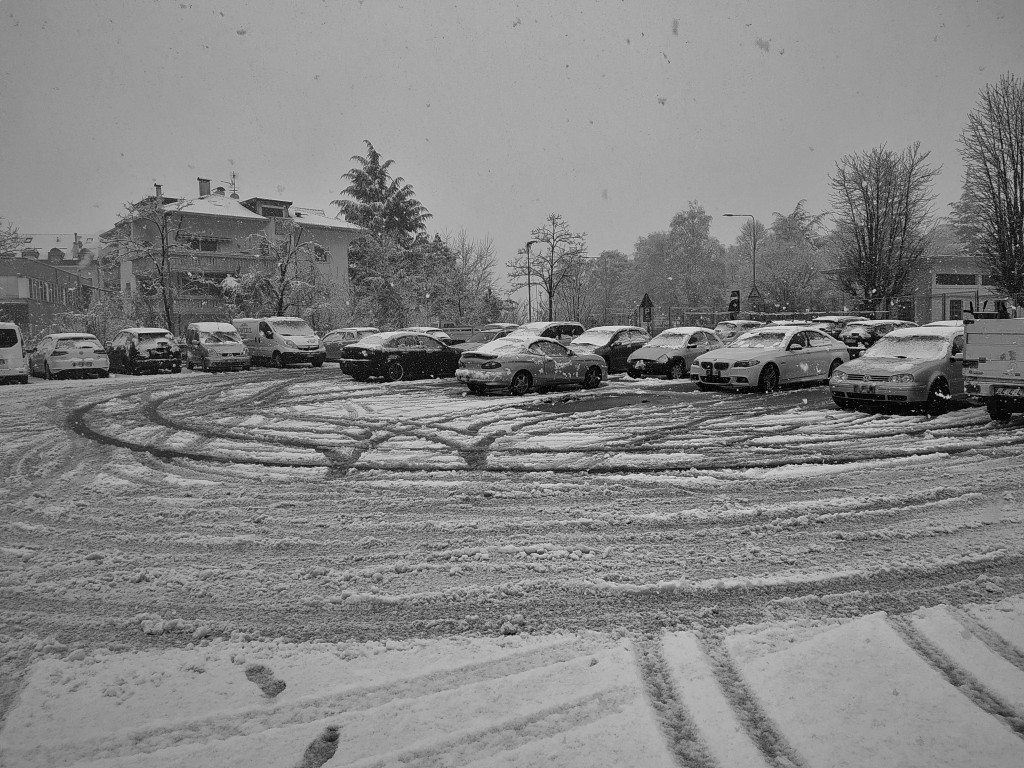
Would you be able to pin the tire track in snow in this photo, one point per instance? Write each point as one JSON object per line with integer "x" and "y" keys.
{"x": 956, "y": 676}
{"x": 681, "y": 733}
{"x": 989, "y": 637}
{"x": 760, "y": 728}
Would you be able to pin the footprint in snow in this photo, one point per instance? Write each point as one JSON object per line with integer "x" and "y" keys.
{"x": 264, "y": 679}
{"x": 321, "y": 749}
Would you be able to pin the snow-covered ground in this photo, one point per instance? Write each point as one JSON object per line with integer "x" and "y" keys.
{"x": 289, "y": 568}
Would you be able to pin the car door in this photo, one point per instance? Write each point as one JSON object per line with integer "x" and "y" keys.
{"x": 821, "y": 352}
{"x": 38, "y": 357}
{"x": 796, "y": 364}
{"x": 433, "y": 357}
{"x": 956, "y": 367}
{"x": 618, "y": 350}
{"x": 557, "y": 366}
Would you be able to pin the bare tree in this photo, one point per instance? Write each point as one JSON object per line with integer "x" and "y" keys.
{"x": 293, "y": 280}
{"x": 152, "y": 232}
{"x": 10, "y": 239}
{"x": 466, "y": 290}
{"x": 882, "y": 211}
{"x": 989, "y": 217}
{"x": 555, "y": 259}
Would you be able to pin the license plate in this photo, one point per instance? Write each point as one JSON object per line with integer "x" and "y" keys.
{"x": 1010, "y": 391}
{"x": 82, "y": 363}
{"x": 866, "y": 388}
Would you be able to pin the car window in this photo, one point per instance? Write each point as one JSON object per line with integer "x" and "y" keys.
{"x": 430, "y": 344}
{"x": 404, "y": 342}
{"x": 799, "y": 338}
{"x": 958, "y": 345}
{"x": 549, "y": 348}
{"x": 818, "y": 339}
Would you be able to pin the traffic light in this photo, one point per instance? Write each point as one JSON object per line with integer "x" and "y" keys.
{"x": 734, "y": 301}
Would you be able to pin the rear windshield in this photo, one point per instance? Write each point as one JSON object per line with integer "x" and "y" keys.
{"x": 156, "y": 337}
{"x": 8, "y": 338}
{"x": 81, "y": 342}
{"x": 594, "y": 338}
{"x": 374, "y": 340}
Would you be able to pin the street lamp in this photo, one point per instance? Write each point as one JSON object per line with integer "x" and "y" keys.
{"x": 753, "y": 253}
{"x": 529, "y": 283}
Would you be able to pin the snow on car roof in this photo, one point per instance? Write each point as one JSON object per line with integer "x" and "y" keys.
{"x": 685, "y": 329}
{"x": 880, "y": 322}
{"x": 941, "y": 331}
{"x": 145, "y": 330}
{"x": 72, "y": 336}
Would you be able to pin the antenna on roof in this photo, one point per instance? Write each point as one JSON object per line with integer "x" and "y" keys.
{"x": 233, "y": 185}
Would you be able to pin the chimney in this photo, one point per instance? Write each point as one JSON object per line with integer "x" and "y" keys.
{"x": 159, "y": 191}
{"x": 204, "y": 187}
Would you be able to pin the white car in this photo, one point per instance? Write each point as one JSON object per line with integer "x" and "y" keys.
{"x": 768, "y": 357}
{"x": 69, "y": 354}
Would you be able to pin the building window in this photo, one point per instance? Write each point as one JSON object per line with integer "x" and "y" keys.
{"x": 950, "y": 279}
{"x": 320, "y": 253}
{"x": 272, "y": 211}
{"x": 203, "y": 244}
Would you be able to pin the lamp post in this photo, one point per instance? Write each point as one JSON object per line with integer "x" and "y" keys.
{"x": 529, "y": 283}
{"x": 753, "y": 252}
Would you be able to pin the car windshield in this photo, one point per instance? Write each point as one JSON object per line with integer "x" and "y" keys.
{"x": 530, "y": 329}
{"x": 669, "y": 340}
{"x": 156, "y": 337}
{"x": 860, "y": 330}
{"x": 293, "y": 328}
{"x": 374, "y": 340}
{"x": 219, "y": 337}
{"x": 725, "y": 328}
{"x": 595, "y": 337}
{"x": 79, "y": 342}
{"x": 920, "y": 347}
{"x": 761, "y": 340}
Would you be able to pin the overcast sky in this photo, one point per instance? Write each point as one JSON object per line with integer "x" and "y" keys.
{"x": 613, "y": 114}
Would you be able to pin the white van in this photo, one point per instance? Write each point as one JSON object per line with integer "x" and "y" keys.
{"x": 215, "y": 347}
{"x": 12, "y": 354}
{"x": 280, "y": 341}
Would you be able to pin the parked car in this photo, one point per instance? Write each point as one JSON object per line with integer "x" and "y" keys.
{"x": 560, "y": 330}
{"x": 944, "y": 324}
{"x": 335, "y": 340}
{"x": 144, "y": 350}
{"x": 397, "y": 355}
{"x": 500, "y": 327}
{"x": 920, "y": 367}
{"x": 670, "y": 352}
{"x": 437, "y": 333}
{"x": 63, "y": 355}
{"x": 280, "y": 341}
{"x": 862, "y": 334}
{"x": 727, "y": 330}
{"x": 12, "y": 355}
{"x": 615, "y": 343}
{"x": 522, "y": 363}
{"x": 483, "y": 336}
{"x": 769, "y": 357}
{"x": 215, "y": 347}
{"x": 833, "y": 324}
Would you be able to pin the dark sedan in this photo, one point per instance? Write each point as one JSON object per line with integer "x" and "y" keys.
{"x": 398, "y": 355}
{"x": 670, "y": 353}
{"x": 615, "y": 343}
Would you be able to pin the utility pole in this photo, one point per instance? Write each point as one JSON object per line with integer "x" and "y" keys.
{"x": 529, "y": 283}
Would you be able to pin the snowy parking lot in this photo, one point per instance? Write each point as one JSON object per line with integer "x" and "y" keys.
{"x": 292, "y": 568}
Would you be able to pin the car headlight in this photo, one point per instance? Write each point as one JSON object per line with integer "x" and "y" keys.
{"x": 663, "y": 359}
{"x": 902, "y": 378}
{"x": 839, "y": 376}
{"x": 290, "y": 343}
{"x": 746, "y": 363}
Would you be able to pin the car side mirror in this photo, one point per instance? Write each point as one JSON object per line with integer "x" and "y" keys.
{"x": 269, "y": 334}
{"x": 692, "y": 345}
{"x": 795, "y": 347}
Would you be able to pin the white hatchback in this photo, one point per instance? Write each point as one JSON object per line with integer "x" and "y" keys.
{"x": 69, "y": 354}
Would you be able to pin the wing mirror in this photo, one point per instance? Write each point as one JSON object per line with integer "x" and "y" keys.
{"x": 795, "y": 347}
{"x": 269, "y": 334}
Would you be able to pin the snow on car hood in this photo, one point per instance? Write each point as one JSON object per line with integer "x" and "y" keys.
{"x": 742, "y": 353}
{"x": 653, "y": 353}
{"x": 885, "y": 366}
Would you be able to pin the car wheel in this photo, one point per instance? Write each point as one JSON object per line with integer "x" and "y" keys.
{"x": 769, "y": 380}
{"x": 24, "y": 379}
{"x": 277, "y": 360}
{"x": 938, "y": 399}
{"x": 997, "y": 410}
{"x": 832, "y": 368}
{"x": 206, "y": 365}
{"x": 394, "y": 371}
{"x": 677, "y": 370}
{"x": 593, "y": 378}
{"x": 520, "y": 383}
{"x": 318, "y": 363}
